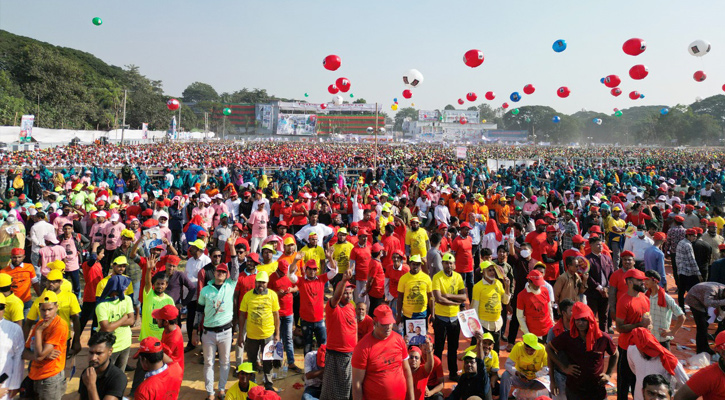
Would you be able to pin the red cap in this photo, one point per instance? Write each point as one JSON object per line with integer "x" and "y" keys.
{"x": 698, "y": 230}
{"x": 168, "y": 312}
{"x": 578, "y": 239}
{"x": 282, "y": 223}
{"x": 679, "y": 218}
{"x": 709, "y": 224}
{"x": 689, "y": 207}
{"x": 540, "y": 222}
{"x": 311, "y": 264}
{"x": 283, "y": 265}
{"x": 254, "y": 257}
{"x": 720, "y": 340}
{"x": 660, "y": 236}
{"x": 442, "y": 226}
{"x": 534, "y": 276}
{"x": 149, "y": 345}
{"x": 147, "y": 212}
{"x": 551, "y": 228}
{"x": 377, "y": 247}
{"x": 17, "y": 252}
{"x": 466, "y": 225}
{"x": 636, "y": 274}
{"x": 549, "y": 215}
{"x": 354, "y": 224}
{"x": 721, "y": 247}
{"x": 384, "y": 315}
{"x": 173, "y": 260}
{"x": 691, "y": 231}
{"x": 222, "y": 267}
{"x": 595, "y": 229}
{"x": 626, "y": 253}
{"x": 202, "y": 234}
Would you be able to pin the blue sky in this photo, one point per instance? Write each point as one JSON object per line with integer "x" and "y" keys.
{"x": 279, "y": 45}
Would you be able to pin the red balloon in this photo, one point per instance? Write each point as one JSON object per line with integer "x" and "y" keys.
{"x": 612, "y": 81}
{"x": 343, "y": 84}
{"x": 634, "y": 46}
{"x": 529, "y": 89}
{"x": 323, "y": 106}
{"x": 460, "y": 101}
{"x": 471, "y": 96}
{"x": 463, "y": 120}
{"x": 616, "y": 109}
{"x": 723, "y": 88}
{"x": 173, "y": 104}
{"x": 333, "y": 89}
{"x": 699, "y": 76}
{"x": 407, "y": 94}
{"x": 492, "y": 95}
{"x": 332, "y": 62}
{"x": 638, "y": 72}
{"x": 616, "y": 91}
{"x": 634, "y": 95}
{"x": 473, "y": 58}
{"x": 505, "y": 105}
{"x": 563, "y": 92}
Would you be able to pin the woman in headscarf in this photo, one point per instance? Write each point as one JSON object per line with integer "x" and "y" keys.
{"x": 647, "y": 356}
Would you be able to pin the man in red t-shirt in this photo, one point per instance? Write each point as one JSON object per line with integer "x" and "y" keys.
{"x": 421, "y": 372}
{"x": 551, "y": 255}
{"x": 164, "y": 381}
{"x": 392, "y": 277}
{"x": 367, "y": 225}
{"x": 379, "y": 367}
{"x": 365, "y": 323}
{"x": 462, "y": 248}
{"x": 360, "y": 258}
{"x": 534, "y": 306}
{"x": 312, "y": 301}
{"x": 632, "y": 312}
{"x": 536, "y": 238}
{"x": 617, "y": 286}
{"x": 391, "y": 244}
{"x": 709, "y": 382}
{"x": 92, "y": 274}
{"x": 342, "y": 325}
{"x": 375, "y": 285}
{"x": 172, "y": 339}
{"x": 281, "y": 281}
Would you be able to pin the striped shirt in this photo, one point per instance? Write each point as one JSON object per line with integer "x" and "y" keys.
{"x": 662, "y": 316}
{"x": 685, "y": 258}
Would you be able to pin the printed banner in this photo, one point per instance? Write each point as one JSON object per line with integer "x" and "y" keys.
{"x": 145, "y": 130}
{"x": 461, "y": 152}
{"x": 296, "y": 124}
{"x": 415, "y": 331}
{"x": 469, "y": 322}
{"x": 315, "y": 107}
{"x": 26, "y": 128}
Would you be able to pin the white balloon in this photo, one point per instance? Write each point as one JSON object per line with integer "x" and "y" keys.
{"x": 599, "y": 121}
{"x": 699, "y": 48}
{"x": 337, "y": 100}
{"x": 412, "y": 78}
{"x": 382, "y": 130}
{"x": 370, "y": 129}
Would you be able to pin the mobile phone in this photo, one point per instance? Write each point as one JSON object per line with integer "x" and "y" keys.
{"x": 3, "y": 378}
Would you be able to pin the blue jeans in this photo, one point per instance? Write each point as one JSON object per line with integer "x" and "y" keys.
{"x": 286, "y": 328}
{"x": 316, "y": 328}
{"x": 75, "y": 280}
{"x": 312, "y": 393}
{"x": 136, "y": 294}
{"x": 468, "y": 282}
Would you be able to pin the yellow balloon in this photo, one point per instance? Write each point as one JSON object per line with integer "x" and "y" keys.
{"x": 394, "y": 107}
{"x": 483, "y": 121}
{"x": 412, "y": 104}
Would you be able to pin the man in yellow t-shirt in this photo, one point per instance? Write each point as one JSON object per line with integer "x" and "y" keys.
{"x": 118, "y": 267}
{"x": 13, "y": 305}
{"x": 528, "y": 358}
{"x": 415, "y": 293}
{"x": 449, "y": 293}
{"x": 260, "y": 312}
{"x": 314, "y": 252}
{"x": 489, "y": 296}
{"x": 416, "y": 240}
{"x": 341, "y": 254}
{"x": 615, "y": 227}
{"x": 720, "y": 222}
{"x": 240, "y": 390}
{"x": 68, "y": 310}
{"x": 268, "y": 264}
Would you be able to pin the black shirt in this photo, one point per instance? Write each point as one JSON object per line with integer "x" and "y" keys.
{"x": 112, "y": 382}
{"x": 472, "y": 384}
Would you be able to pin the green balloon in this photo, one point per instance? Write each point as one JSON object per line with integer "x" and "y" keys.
{"x": 515, "y": 111}
{"x": 528, "y": 119}
{"x": 97, "y": 21}
{"x": 227, "y": 111}
{"x": 618, "y": 114}
{"x": 307, "y": 95}
{"x": 352, "y": 95}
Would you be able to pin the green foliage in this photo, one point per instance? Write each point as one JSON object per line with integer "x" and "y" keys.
{"x": 449, "y": 107}
{"x": 402, "y": 114}
{"x": 199, "y": 91}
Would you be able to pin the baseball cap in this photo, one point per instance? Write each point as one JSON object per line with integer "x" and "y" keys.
{"x": 466, "y": 225}
{"x": 578, "y": 239}
{"x": 720, "y": 340}
{"x": 222, "y": 267}
{"x": 50, "y": 237}
{"x": 383, "y": 314}
{"x": 262, "y": 276}
{"x": 448, "y": 257}
{"x": 55, "y": 275}
{"x": 120, "y": 260}
{"x": 56, "y": 265}
{"x": 254, "y": 257}
{"x": 311, "y": 264}
{"x": 660, "y": 236}
{"x": 626, "y": 253}
{"x": 679, "y": 218}
{"x": 691, "y": 231}
{"x": 268, "y": 247}
{"x": 167, "y": 312}
{"x": 199, "y": 244}
{"x": 536, "y": 277}
{"x": 550, "y": 228}
{"x": 246, "y": 368}
{"x": 487, "y": 336}
{"x": 540, "y": 222}
{"x": 128, "y": 234}
{"x": 5, "y": 280}
{"x": 532, "y": 341}
{"x": 312, "y": 234}
{"x": 377, "y": 247}
{"x": 636, "y": 274}
{"x": 415, "y": 259}
{"x": 173, "y": 260}
{"x": 469, "y": 354}
{"x": 47, "y": 297}
{"x": 200, "y": 233}
{"x": 288, "y": 240}
{"x": 342, "y": 231}
{"x": 149, "y": 345}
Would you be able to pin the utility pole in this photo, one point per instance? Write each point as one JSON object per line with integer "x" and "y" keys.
{"x": 178, "y": 130}
{"x": 206, "y": 124}
{"x": 37, "y": 117}
{"x": 376, "y": 139}
{"x": 123, "y": 127}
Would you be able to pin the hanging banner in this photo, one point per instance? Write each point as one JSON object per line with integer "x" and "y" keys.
{"x": 26, "y": 128}
{"x": 461, "y": 152}
{"x": 145, "y": 130}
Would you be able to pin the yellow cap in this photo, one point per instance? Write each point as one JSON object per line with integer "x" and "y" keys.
{"x": 268, "y": 247}
{"x": 289, "y": 240}
{"x": 487, "y": 336}
{"x": 448, "y": 257}
{"x": 48, "y": 296}
{"x": 55, "y": 275}
{"x": 56, "y": 265}
{"x": 2, "y": 299}
{"x": 342, "y": 230}
{"x": 120, "y": 260}
{"x": 5, "y": 280}
{"x": 262, "y": 277}
{"x": 199, "y": 244}
{"x": 246, "y": 368}
{"x": 532, "y": 341}
{"x": 469, "y": 354}
{"x": 128, "y": 233}
{"x": 415, "y": 259}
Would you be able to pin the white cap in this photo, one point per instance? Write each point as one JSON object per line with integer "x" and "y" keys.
{"x": 50, "y": 237}
{"x": 115, "y": 217}
{"x": 102, "y": 214}
{"x": 163, "y": 214}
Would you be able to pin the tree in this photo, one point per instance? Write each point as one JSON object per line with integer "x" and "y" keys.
{"x": 360, "y": 101}
{"x": 472, "y": 108}
{"x": 403, "y": 113}
{"x": 449, "y": 107}
{"x": 199, "y": 91}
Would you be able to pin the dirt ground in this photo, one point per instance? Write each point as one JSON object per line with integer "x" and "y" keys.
{"x": 292, "y": 386}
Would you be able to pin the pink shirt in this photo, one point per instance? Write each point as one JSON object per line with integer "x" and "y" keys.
{"x": 48, "y": 254}
{"x": 207, "y": 216}
{"x": 97, "y": 230}
{"x": 219, "y": 209}
{"x": 71, "y": 261}
{"x": 258, "y": 220}
{"x": 113, "y": 235}
{"x": 59, "y": 222}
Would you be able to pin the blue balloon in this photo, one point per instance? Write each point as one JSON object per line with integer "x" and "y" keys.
{"x": 559, "y": 45}
{"x": 395, "y": 99}
{"x": 601, "y": 80}
{"x": 664, "y": 111}
{"x": 641, "y": 96}
{"x": 515, "y": 97}
{"x": 595, "y": 120}
{"x": 556, "y": 119}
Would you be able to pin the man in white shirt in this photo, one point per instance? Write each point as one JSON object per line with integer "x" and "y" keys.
{"x": 40, "y": 228}
{"x": 637, "y": 245}
{"x": 232, "y": 204}
{"x": 322, "y": 231}
{"x": 194, "y": 264}
{"x": 441, "y": 213}
{"x": 11, "y": 354}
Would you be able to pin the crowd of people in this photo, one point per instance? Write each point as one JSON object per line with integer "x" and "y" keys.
{"x": 560, "y": 269}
